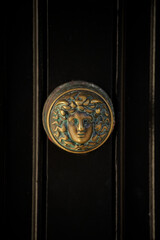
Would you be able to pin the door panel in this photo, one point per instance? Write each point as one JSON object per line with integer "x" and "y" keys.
{"x": 112, "y": 192}
{"x": 81, "y": 188}
{"x": 16, "y": 120}
{"x": 137, "y": 115}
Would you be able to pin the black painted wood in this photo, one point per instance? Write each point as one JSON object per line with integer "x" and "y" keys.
{"x": 16, "y": 118}
{"x": 39, "y": 182}
{"x": 137, "y": 74}
{"x": 77, "y": 193}
{"x": 157, "y": 126}
{"x": 81, "y": 187}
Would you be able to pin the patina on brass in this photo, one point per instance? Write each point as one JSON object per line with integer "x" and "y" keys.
{"x": 78, "y": 117}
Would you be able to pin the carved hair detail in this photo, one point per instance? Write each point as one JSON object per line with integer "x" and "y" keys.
{"x": 80, "y": 103}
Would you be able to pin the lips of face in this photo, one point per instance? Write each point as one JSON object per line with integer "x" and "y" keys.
{"x": 80, "y": 127}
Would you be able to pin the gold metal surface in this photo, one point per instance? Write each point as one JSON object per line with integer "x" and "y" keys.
{"x": 79, "y": 120}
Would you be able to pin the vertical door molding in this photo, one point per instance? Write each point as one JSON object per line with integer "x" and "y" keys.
{"x": 152, "y": 120}
{"x": 35, "y": 121}
{"x": 120, "y": 135}
{"x": 39, "y": 174}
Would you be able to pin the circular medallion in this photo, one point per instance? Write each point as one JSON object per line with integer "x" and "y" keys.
{"x": 78, "y": 117}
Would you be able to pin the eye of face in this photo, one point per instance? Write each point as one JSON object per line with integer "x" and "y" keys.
{"x": 74, "y": 121}
{"x": 86, "y": 122}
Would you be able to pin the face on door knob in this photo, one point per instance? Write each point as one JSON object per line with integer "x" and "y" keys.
{"x": 78, "y": 116}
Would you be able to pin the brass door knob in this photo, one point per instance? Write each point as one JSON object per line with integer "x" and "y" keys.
{"x": 78, "y": 116}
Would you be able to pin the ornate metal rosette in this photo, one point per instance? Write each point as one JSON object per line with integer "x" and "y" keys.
{"x": 78, "y": 117}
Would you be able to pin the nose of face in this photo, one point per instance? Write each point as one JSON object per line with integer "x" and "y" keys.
{"x": 80, "y": 126}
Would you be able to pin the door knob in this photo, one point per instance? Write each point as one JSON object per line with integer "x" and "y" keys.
{"x": 78, "y": 116}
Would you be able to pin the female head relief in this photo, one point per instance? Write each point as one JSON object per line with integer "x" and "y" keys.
{"x": 80, "y": 127}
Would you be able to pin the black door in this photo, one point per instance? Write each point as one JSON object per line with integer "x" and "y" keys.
{"x": 109, "y": 193}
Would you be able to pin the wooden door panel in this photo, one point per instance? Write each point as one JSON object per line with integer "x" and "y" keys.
{"x": 16, "y": 120}
{"x": 81, "y": 188}
{"x": 112, "y": 192}
{"x": 137, "y": 67}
